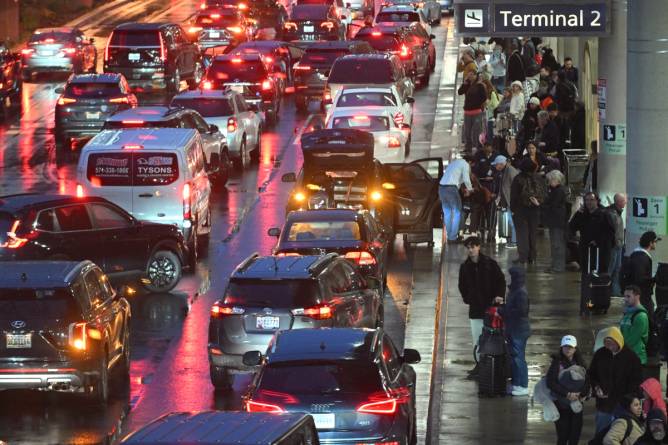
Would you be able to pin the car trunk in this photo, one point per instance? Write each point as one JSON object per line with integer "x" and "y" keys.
{"x": 130, "y": 49}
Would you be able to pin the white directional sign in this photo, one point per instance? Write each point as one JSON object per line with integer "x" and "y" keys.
{"x": 648, "y": 213}
{"x": 614, "y": 139}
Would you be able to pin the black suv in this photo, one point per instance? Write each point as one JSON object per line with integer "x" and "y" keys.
{"x": 269, "y": 293}
{"x": 63, "y": 328}
{"x": 10, "y": 81}
{"x": 153, "y": 56}
{"x": 57, "y": 227}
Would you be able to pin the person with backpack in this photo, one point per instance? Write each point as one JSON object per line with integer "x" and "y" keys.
{"x": 628, "y": 427}
{"x": 568, "y": 392}
{"x": 635, "y": 323}
{"x": 639, "y": 269}
{"x": 527, "y": 193}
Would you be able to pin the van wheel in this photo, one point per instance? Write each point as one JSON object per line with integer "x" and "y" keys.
{"x": 163, "y": 271}
{"x": 99, "y": 393}
{"x": 221, "y": 379}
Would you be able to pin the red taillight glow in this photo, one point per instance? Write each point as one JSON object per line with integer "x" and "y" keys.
{"x": 235, "y": 29}
{"x": 220, "y": 309}
{"x": 69, "y": 50}
{"x": 266, "y": 85}
{"x": 207, "y": 85}
{"x": 243, "y": 6}
{"x": 328, "y": 25}
{"x": 119, "y": 100}
{"x": 27, "y": 51}
{"x": 49, "y": 40}
{"x": 163, "y": 55}
{"x": 376, "y": 33}
{"x": 77, "y": 336}
{"x": 362, "y": 258}
{"x": 288, "y": 25}
{"x": 268, "y": 59}
{"x": 215, "y": 16}
{"x": 236, "y": 60}
{"x": 80, "y": 191}
{"x": 202, "y": 6}
{"x": 185, "y": 193}
{"x": 393, "y": 142}
{"x": 318, "y": 312}
{"x": 66, "y": 100}
{"x": 132, "y": 147}
{"x": 194, "y": 29}
{"x": 388, "y": 406}
{"x": 404, "y": 52}
{"x": 259, "y": 407}
{"x": 302, "y": 67}
{"x": 232, "y": 125}
{"x": 133, "y": 123}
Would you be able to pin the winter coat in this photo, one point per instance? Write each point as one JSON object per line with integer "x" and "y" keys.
{"x": 554, "y": 208}
{"x": 521, "y": 182}
{"x": 549, "y": 60}
{"x": 578, "y": 127}
{"x": 618, "y": 430}
{"x": 515, "y": 68}
{"x": 571, "y": 74}
{"x": 516, "y": 310}
{"x": 528, "y": 125}
{"x": 593, "y": 226}
{"x": 466, "y": 68}
{"x": 506, "y": 180}
{"x": 640, "y": 272}
{"x": 517, "y": 105}
{"x": 475, "y": 95}
{"x": 483, "y": 164}
{"x": 479, "y": 283}
{"x": 616, "y": 375}
{"x": 655, "y": 401}
{"x": 549, "y": 135}
{"x": 635, "y": 329}
{"x": 617, "y": 223}
{"x": 559, "y": 363}
{"x": 647, "y": 439}
{"x": 566, "y": 93}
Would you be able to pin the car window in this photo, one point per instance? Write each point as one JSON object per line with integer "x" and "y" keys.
{"x": 95, "y": 292}
{"x": 397, "y": 17}
{"x": 371, "y": 226}
{"x": 305, "y": 231}
{"x": 319, "y": 56}
{"x": 229, "y": 70}
{"x": 187, "y": 121}
{"x": 207, "y": 107}
{"x": 339, "y": 282}
{"x": 108, "y": 218}
{"x": 46, "y": 221}
{"x": 21, "y": 304}
{"x": 107, "y": 291}
{"x": 92, "y": 89}
{"x": 391, "y": 358}
{"x": 200, "y": 124}
{"x": 383, "y": 42}
{"x": 72, "y": 218}
{"x": 408, "y": 173}
{"x": 285, "y": 293}
{"x": 366, "y": 99}
{"x": 362, "y": 122}
{"x": 155, "y": 168}
{"x": 135, "y": 38}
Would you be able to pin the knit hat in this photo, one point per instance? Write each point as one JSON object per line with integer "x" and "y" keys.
{"x": 615, "y": 334}
{"x": 516, "y": 83}
{"x": 534, "y": 101}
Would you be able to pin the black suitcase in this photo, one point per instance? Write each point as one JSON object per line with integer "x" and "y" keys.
{"x": 492, "y": 375}
{"x": 599, "y": 287}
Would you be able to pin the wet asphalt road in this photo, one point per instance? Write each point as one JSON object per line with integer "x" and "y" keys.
{"x": 169, "y": 369}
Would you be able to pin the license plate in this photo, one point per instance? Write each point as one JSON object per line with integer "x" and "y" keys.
{"x": 92, "y": 115}
{"x": 214, "y": 34}
{"x": 237, "y": 88}
{"x": 267, "y": 322}
{"x": 133, "y": 56}
{"x": 47, "y": 53}
{"x": 309, "y": 29}
{"x": 19, "y": 341}
{"x": 324, "y": 421}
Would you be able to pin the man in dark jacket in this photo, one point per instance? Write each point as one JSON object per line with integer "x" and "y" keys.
{"x": 570, "y": 71}
{"x": 597, "y": 233}
{"x": 640, "y": 269}
{"x": 549, "y": 135}
{"x": 566, "y": 93}
{"x": 475, "y": 96}
{"x": 481, "y": 284}
{"x": 615, "y": 371}
{"x": 516, "y": 66}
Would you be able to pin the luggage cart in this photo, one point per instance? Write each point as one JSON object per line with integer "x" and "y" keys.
{"x": 575, "y": 161}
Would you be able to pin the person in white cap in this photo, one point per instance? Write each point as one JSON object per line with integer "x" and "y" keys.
{"x": 529, "y": 122}
{"x": 567, "y": 380}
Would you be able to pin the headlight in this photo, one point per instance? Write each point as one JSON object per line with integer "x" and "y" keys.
{"x": 299, "y": 197}
{"x": 376, "y": 196}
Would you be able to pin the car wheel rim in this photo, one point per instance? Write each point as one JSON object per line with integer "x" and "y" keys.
{"x": 161, "y": 271}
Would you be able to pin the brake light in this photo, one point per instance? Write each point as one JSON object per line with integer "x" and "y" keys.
{"x": 133, "y": 122}
{"x": 106, "y": 48}
{"x": 376, "y": 195}
{"x": 27, "y": 51}
{"x": 77, "y": 336}
{"x": 66, "y": 100}
{"x": 80, "y": 191}
{"x": 194, "y": 29}
{"x": 284, "y": 254}
{"x": 235, "y": 29}
{"x": 207, "y": 85}
{"x": 376, "y": 33}
{"x": 288, "y": 25}
{"x": 49, "y": 40}
{"x": 13, "y": 241}
{"x": 404, "y": 52}
{"x": 219, "y": 309}
{"x": 361, "y": 118}
{"x": 328, "y": 25}
{"x": 381, "y": 403}
{"x": 302, "y": 67}
{"x": 243, "y": 6}
{"x": 362, "y": 258}
{"x": 259, "y": 407}
{"x": 119, "y": 100}
{"x": 266, "y": 85}
{"x": 236, "y": 60}
{"x": 163, "y": 56}
{"x": 268, "y": 59}
{"x": 317, "y": 312}
{"x": 132, "y": 147}
{"x": 69, "y": 50}
{"x": 215, "y": 16}
{"x": 202, "y": 6}
{"x": 393, "y": 142}
{"x": 232, "y": 124}
{"x": 186, "y": 201}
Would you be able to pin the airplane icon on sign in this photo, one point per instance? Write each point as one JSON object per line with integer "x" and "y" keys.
{"x": 473, "y": 18}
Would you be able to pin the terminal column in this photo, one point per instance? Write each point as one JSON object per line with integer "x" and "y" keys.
{"x": 647, "y": 112}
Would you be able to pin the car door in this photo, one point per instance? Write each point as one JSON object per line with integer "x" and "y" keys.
{"x": 367, "y": 300}
{"x": 102, "y": 311}
{"x": 416, "y": 191}
{"x": 210, "y": 141}
{"x": 76, "y": 231}
{"x": 378, "y": 242}
{"x": 400, "y": 376}
{"x": 119, "y": 312}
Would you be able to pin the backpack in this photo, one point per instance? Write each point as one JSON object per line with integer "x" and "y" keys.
{"x": 653, "y": 346}
{"x": 534, "y": 187}
{"x": 625, "y": 273}
{"x": 598, "y": 438}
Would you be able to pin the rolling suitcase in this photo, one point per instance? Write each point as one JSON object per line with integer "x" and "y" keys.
{"x": 494, "y": 358}
{"x": 504, "y": 223}
{"x": 599, "y": 286}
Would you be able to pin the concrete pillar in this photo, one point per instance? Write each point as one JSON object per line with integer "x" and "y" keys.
{"x": 647, "y": 113}
{"x": 9, "y": 21}
{"x": 611, "y": 68}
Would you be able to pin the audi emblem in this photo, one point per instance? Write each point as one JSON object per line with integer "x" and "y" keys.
{"x": 18, "y": 324}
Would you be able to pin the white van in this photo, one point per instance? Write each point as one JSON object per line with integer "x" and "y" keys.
{"x": 156, "y": 174}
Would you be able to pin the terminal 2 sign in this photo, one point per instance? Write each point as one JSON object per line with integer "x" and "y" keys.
{"x": 506, "y": 19}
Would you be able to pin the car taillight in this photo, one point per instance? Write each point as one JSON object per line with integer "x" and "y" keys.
{"x": 242, "y": 6}
{"x": 119, "y": 100}
{"x": 186, "y": 201}
{"x": 382, "y": 403}
{"x": 376, "y": 33}
{"x": 235, "y": 29}
{"x": 232, "y": 124}
{"x": 317, "y": 312}
{"x": 80, "y": 191}
{"x": 133, "y": 123}
{"x": 284, "y": 254}
{"x": 268, "y": 59}
{"x": 328, "y": 25}
{"x": 393, "y": 142}
{"x": 404, "y": 52}
{"x": 68, "y": 50}
{"x": 289, "y": 25}
{"x": 66, "y": 100}
{"x": 266, "y": 85}
{"x": 194, "y": 29}
{"x": 219, "y": 310}
{"x": 207, "y": 85}
{"x": 27, "y": 51}
{"x": 362, "y": 258}
{"x": 14, "y": 241}
{"x": 259, "y": 407}
{"x": 202, "y": 6}
{"x": 302, "y": 67}
{"x": 79, "y": 333}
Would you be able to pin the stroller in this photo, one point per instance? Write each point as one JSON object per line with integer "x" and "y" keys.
{"x": 494, "y": 361}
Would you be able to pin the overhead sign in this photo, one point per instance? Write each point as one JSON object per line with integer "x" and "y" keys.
{"x": 614, "y": 139}
{"x": 649, "y": 213}
{"x": 474, "y": 18}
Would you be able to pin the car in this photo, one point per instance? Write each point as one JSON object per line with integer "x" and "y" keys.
{"x": 354, "y": 70}
{"x": 399, "y": 40}
{"x": 447, "y": 6}
{"x": 220, "y": 26}
{"x": 153, "y": 56}
{"x": 226, "y": 428}
{"x": 313, "y": 22}
{"x": 155, "y": 174}
{"x": 58, "y": 50}
{"x": 418, "y": 32}
{"x": 64, "y": 329}
{"x": 354, "y": 234}
{"x": 240, "y": 125}
{"x": 86, "y": 101}
{"x": 268, "y": 293}
{"x": 342, "y": 11}
{"x": 354, "y": 382}
{"x": 268, "y": 14}
{"x": 249, "y": 75}
{"x": 11, "y": 83}
{"x": 214, "y": 140}
{"x": 430, "y": 9}
{"x": 361, "y": 8}
{"x": 279, "y": 56}
{"x": 387, "y": 97}
{"x": 401, "y": 15}
{"x": 60, "y": 227}
{"x": 391, "y": 140}
{"x": 312, "y": 70}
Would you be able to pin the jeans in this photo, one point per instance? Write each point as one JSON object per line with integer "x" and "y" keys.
{"x": 476, "y": 332}
{"x": 526, "y": 224}
{"x": 472, "y": 129}
{"x": 499, "y": 83}
{"x": 558, "y": 248}
{"x": 518, "y": 364}
{"x": 603, "y": 420}
{"x": 452, "y": 209}
{"x": 569, "y": 426}
{"x": 614, "y": 268}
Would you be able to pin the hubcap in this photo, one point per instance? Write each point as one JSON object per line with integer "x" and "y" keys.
{"x": 161, "y": 271}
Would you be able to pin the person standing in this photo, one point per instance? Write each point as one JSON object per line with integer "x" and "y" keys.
{"x": 504, "y": 179}
{"x": 615, "y": 210}
{"x": 615, "y": 370}
{"x": 652, "y": 396}
{"x": 554, "y": 217}
{"x": 517, "y": 102}
{"x": 635, "y": 324}
{"x": 467, "y": 65}
{"x": 640, "y": 269}
{"x": 475, "y": 96}
{"x": 549, "y": 135}
{"x": 516, "y": 65}
{"x": 570, "y": 71}
{"x": 569, "y": 425}
{"x": 481, "y": 284}
{"x": 498, "y": 63}
{"x": 457, "y": 173}
{"x": 527, "y": 193}
{"x": 517, "y": 328}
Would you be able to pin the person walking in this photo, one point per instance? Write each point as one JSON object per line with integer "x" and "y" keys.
{"x": 629, "y": 427}
{"x": 615, "y": 370}
{"x": 457, "y": 173}
{"x": 615, "y": 210}
{"x": 504, "y": 179}
{"x": 640, "y": 269}
{"x": 498, "y": 63}
{"x": 555, "y": 219}
{"x": 635, "y": 323}
{"x": 517, "y": 329}
{"x": 527, "y": 193}
{"x": 475, "y": 96}
{"x": 570, "y": 71}
{"x": 481, "y": 284}
{"x": 567, "y": 390}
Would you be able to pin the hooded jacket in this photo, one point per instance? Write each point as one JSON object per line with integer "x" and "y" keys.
{"x": 616, "y": 374}
{"x": 479, "y": 283}
{"x": 655, "y": 400}
{"x": 516, "y": 311}
{"x": 618, "y": 430}
{"x": 635, "y": 329}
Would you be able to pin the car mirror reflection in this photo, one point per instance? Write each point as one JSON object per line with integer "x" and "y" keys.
{"x": 252, "y": 358}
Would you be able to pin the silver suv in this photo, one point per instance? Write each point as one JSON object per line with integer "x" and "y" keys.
{"x": 269, "y": 293}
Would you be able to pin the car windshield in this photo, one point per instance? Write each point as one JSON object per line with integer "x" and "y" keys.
{"x": 359, "y": 70}
{"x": 244, "y": 70}
{"x": 321, "y": 56}
{"x": 52, "y": 37}
{"x": 92, "y": 89}
{"x": 325, "y": 378}
{"x": 272, "y": 293}
{"x": 366, "y": 99}
{"x": 323, "y": 231}
{"x": 206, "y": 107}
{"x": 391, "y": 17}
{"x": 362, "y": 122}
{"x": 21, "y": 304}
{"x": 380, "y": 43}
{"x": 135, "y": 38}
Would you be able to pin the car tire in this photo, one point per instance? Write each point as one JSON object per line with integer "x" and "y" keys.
{"x": 174, "y": 83}
{"x": 124, "y": 364}
{"x": 163, "y": 271}
{"x": 194, "y": 248}
{"x": 255, "y": 153}
{"x": 243, "y": 161}
{"x": 99, "y": 392}
{"x": 197, "y": 76}
{"x": 223, "y": 169}
{"x": 221, "y": 379}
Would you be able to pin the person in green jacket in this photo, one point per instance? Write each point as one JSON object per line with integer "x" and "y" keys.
{"x": 635, "y": 323}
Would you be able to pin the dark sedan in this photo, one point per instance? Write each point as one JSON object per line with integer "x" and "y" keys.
{"x": 313, "y": 22}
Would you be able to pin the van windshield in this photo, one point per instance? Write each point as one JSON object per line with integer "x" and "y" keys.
{"x": 132, "y": 168}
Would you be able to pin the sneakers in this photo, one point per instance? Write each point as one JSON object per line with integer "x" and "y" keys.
{"x": 520, "y": 391}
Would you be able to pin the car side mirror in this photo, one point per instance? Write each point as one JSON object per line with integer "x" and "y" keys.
{"x": 411, "y": 356}
{"x": 410, "y": 100}
{"x": 254, "y": 358}
{"x": 213, "y": 129}
{"x": 289, "y": 177}
{"x": 432, "y": 37}
{"x": 59, "y": 90}
{"x": 274, "y": 231}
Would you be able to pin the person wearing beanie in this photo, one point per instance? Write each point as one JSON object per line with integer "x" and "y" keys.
{"x": 629, "y": 427}
{"x": 615, "y": 370}
{"x": 653, "y": 396}
{"x": 569, "y": 425}
{"x": 517, "y": 102}
{"x": 655, "y": 433}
